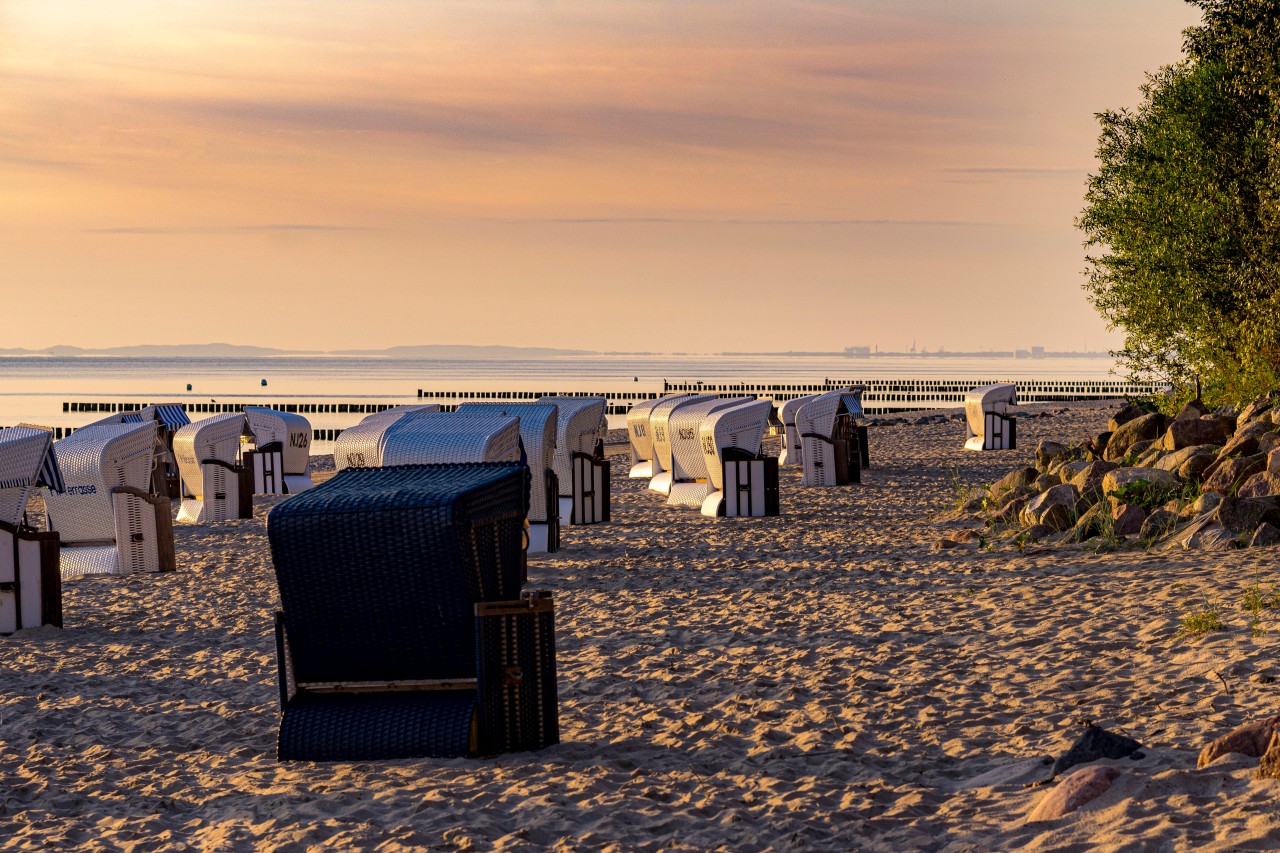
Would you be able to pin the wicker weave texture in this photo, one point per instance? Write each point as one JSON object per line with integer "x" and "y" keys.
{"x": 22, "y": 452}
{"x": 638, "y": 429}
{"x": 579, "y": 428}
{"x": 425, "y": 439}
{"x": 377, "y": 727}
{"x": 792, "y": 454}
{"x": 818, "y": 417}
{"x": 94, "y": 460}
{"x": 217, "y": 438}
{"x": 538, "y": 431}
{"x": 740, "y": 426}
{"x": 996, "y": 399}
{"x": 519, "y": 708}
{"x": 291, "y": 431}
{"x": 660, "y": 419}
{"x": 684, "y": 431}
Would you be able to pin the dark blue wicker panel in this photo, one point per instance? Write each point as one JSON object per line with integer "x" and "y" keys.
{"x": 517, "y": 670}
{"x": 376, "y": 726}
{"x": 379, "y": 569}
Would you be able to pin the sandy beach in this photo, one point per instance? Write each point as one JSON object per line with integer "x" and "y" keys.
{"x": 824, "y": 680}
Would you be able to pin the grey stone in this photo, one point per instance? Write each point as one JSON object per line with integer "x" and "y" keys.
{"x": 1173, "y": 461}
{"x": 1128, "y": 519}
{"x": 1126, "y": 414}
{"x": 1097, "y": 743}
{"x": 1088, "y": 481}
{"x": 1145, "y": 428}
{"x": 1055, "y": 507}
{"x": 1231, "y": 474}
{"x": 1158, "y": 480}
{"x": 1046, "y": 481}
{"x": 1018, "y": 477}
{"x": 1188, "y": 433}
{"x": 1239, "y": 515}
{"x": 1261, "y": 485}
{"x": 1266, "y": 535}
{"x": 1157, "y": 524}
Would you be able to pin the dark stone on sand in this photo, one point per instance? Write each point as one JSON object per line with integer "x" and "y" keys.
{"x": 1097, "y": 743}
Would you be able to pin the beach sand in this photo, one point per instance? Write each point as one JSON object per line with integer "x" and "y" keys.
{"x": 822, "y": 680}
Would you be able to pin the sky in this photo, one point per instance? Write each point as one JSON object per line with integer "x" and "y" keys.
{"x": 682, "y": 175}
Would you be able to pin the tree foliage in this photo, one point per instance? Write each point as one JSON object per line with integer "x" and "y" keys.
{"x": 1181, "y": 219}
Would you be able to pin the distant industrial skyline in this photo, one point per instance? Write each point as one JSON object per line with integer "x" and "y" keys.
{"x": 618, "y": 176}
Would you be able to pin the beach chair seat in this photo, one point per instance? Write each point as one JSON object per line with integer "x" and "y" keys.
{"x": 690, "y": 481}
{"x": 538, "y": 434}
{"x": 282, "y": 460}
{"x": 403, "y": 632}
{"x": 731, "y": 440}
{"x": 216, "y": 486}
{"x": 792, "y": 454}
{"x": 581, "y": 469}
{"x": 989, "y": 422}
{"x": 107, "y": 519}
{"x": 30, "y": 581}
{"x": 834, "y": 447}
{"x": 659, "y": 423}
{"x": 640, "y": 437}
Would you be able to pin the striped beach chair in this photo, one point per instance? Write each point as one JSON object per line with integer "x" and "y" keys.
{"x": 420, "y": 438}
{"x": 106, "y": 517}
{"x": 403, "y": 632}
{"x": 216, "y": 487}
{"x": 30, "y": 582}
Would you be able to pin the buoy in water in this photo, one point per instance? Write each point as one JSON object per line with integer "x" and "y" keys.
{"x": 264, "y": 382}
{"x": 188, "y": 386}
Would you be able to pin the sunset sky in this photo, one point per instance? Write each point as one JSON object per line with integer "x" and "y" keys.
{"x": 701, "y": 175}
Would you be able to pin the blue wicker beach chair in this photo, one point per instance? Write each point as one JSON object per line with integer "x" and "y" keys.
{"x": 404, "y": 633}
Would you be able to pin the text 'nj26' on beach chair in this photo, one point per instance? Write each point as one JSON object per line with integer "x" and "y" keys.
{"x": 216, "y": 487}
{"x": 659, "y": 421}
{"x": 538, "y": 431}
{"x": 834, "y": 447}
{"x": 579, "y": 461}
{"x": 689, "y": 483}
{"x": 641, "y": 438}
{"x": 281, "y": 460}
{"x": 792, "y": 454}
{"x": 403, "y": 632}
{"x": 989, "y": 423}
{"x": 106, "y": 517}
{"x": 742, "y": 481}
{"x": 30, "y": 583}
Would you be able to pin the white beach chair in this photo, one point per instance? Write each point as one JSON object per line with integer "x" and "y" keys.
{"x": 833, "y": 446}
{"x": 288, "y": 435}
{"x": 792, "y": 452}
{"x": 108, "y": 521}
{"x": 420, "y": 438}
{"x": 30, "y": 583}
{"x": 580, "y": 466}
{"x": 659, "y": 421}
{"x": 688, "y": 462}
{"x": 739, "y": 482}
{"x": 988, "y": 424}
{"x": 538, "y": 431}
{"x": 641, "y": 438}
{"x": 215, "y": 486}
{"x": 396, "y": 412}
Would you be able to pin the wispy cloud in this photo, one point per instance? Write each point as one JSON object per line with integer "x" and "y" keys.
{"x": 228, "y": 229}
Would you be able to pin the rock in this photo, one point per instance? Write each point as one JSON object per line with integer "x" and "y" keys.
{"x": 1269, "y": 767}
{"x": 1189, "y": 433}
{"x": 1171, "y": 462}
{"x": 1096, "y": 743}
{"x": 1099, "y": 445}
{"x": 1003, "y": 500}
{"x": 1261, "y": 485}
{"x": 1128, "y": 519}
{"x": 1268, "y": 442}
{"x": 1239, "y": 515}
{"x": 1230, "y": 475}
{"x": 1046, "y": 481}
{"x": 1036, "y": 532}
{"x": 1256, "y": 409}
{"x": 1157, "y": 524}
{"x": 1145, "y": 428}
{"x": 1157, "y": 480}
{"x": 1018, "y": 477}
{"x": 1088, "y": 481}
{"x": 1080, "y": 787}
{"x": 1048, "y": 451}
{"x": 1251, "y": 739}
{"x": 1273, "y": 461}
{"x": 1122, "y": 417}
{"x": 1055, "y": 507}
{"x": 1205, "y": 503}
{"x": 1148, "y": 457}
{"x": 1257, "y": 429}
{"x": 1088, "y": 525}
{"x": 1069, "y": 470}
{"x": 1193, "y": 410}
{"x": 1011, "y": 512}
{"x": 1265, "y": 536}
{"x": 1193, "y": 469}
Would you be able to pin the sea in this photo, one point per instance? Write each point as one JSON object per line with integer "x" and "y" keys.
{"x": 41, "y": 389}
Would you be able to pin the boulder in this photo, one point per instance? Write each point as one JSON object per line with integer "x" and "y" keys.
{"x": 1157, "y": 524}
{"x": 1265, "y": 536}
{"x": 1207, "y": 502}
{"x": 1097, "y": 743}
{"x": 1193, "y": 469}
{"x": 1157, "y": 480}
{"x": 1018, "y": 477}
{"x": 1098, "y": 446}
{"x": 1022, "y": 493}
{"x": 1171, "y": 462}
{"x": 1251, "y": 739}
{"x": 1076, "y": 789}
{"x": 1088, "y": 481}
{"x": 1145, "y": 428}
{"x": 1231, "y": 474}
{"x": 1257, "y": 429}
{"x": 1273, "y": 462}
{"x": 1036, "y": 532}
{"x": 1239, "y": 515}
{"x": 1193, "y": 410}
{"x": 1128, "y": 519}
{"x": 1088, "y": 525}
{"x": 1268, "y": 442}
{"x": 1190, "y": 432}
{"x": 1130, "y": 412}
{"x": 1069, "y": 470}
{"x": 1147, "y": 458}
{"x": 1049, "y": 451}
{"x": 1055, "y": 508}
{"x": 1046, "y": 481}
{"x": 1256, "y": 409}
{"x": 1261, "y": 485}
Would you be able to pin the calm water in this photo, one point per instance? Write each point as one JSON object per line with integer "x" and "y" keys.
{"x": 33, "y": 389}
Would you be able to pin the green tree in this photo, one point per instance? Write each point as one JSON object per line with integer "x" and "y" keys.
{"x": 1181, "y": 217}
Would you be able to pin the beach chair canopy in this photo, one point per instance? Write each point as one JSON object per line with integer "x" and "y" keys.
{"x": 638, "y": 432}
{"x": 660, "y": 417}
{"x": 791, "y": 444}
{"x": 396, "y": 412}
{"x": 94, "y": 460}
{"x": 685, "y": 429}
{"x": 538, "y": 430}
{"x": 420, "y": 438}
{"x": 212, "y": 439}
{"x": 741, "y": 426}
{"x": 384, "y": 579}
{"x": 581, "y": 424}
{"x": 26, "y": 460}
{"x": 291, "y": 431}
{"x": 997, "y": 399}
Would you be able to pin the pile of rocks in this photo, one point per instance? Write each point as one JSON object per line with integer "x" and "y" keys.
{"x": 1199, "y": 480}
